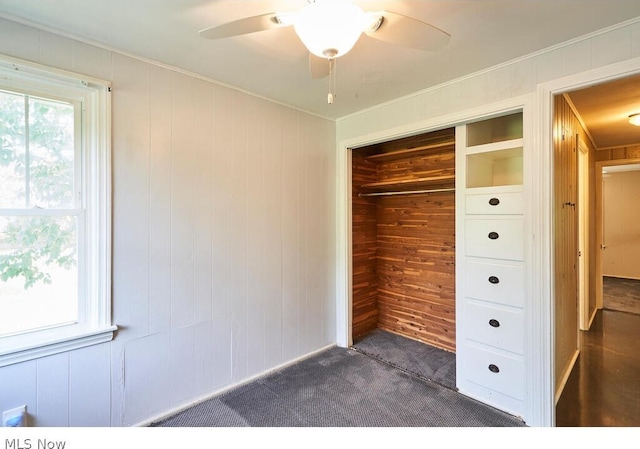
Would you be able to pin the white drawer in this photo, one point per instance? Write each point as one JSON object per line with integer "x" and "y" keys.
{"x": 495, "y": 326}
{"x": 493, "y": 281}
{"x": 495, "y": 370}
{"x": 510, "y": 203}
{"x": 491, "y": 397}
{"x": 496, "y": 238}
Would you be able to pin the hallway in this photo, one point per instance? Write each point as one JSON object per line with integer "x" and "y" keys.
{"x": 604, "y": 387}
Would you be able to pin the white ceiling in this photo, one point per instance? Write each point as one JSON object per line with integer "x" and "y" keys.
{"x": 274, "y": 63}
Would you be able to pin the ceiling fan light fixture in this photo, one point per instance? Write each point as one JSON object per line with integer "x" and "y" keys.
{"x": 634, "y": 119}
{"x": 330, "y": 28}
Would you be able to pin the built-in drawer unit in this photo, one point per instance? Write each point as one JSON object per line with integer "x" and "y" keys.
{"x": 498, "y": 238}
{"x": 491, "y": 261}
{"x": 494, "y": 203}
{"x": 497, "y": 370}
{"x": 497, "y": 326}
{"x": 496, "y": 281}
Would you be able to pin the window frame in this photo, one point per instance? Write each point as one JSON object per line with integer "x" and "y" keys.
{"x": 94, "y": 324}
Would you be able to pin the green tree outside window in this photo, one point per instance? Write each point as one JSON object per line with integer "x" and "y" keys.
{"x": 37, "y": 173}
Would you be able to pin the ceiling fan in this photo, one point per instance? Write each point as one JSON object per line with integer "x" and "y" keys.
{"x": 330, "y": 28}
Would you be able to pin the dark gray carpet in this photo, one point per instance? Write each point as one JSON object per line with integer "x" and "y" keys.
{"x": 419, "y": 359}
{"x": 622, "y": 295}
{"x": 341, "y": 388}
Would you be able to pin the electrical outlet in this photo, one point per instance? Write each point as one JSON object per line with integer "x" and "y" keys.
{"x": 16, "y": 417}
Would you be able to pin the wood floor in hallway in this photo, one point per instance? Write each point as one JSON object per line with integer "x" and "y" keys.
{"x": 604, "y": 387}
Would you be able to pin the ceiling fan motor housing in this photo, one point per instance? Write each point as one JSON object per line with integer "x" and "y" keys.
{"x": 330, "y": 28}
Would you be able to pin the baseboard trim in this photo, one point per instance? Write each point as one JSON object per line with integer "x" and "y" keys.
{"x": 565, "y": 376}
{"x": 633, "y": 278}
{"x": 186, "y": 405}
{"x": 593, "y": 317}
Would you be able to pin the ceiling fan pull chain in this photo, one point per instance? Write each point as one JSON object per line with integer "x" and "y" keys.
{"x": 332, "y": 80}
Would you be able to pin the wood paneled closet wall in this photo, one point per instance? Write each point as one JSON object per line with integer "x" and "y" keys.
{"x": 403, "y": 254}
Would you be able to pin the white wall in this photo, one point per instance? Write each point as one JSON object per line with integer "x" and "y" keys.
{"x": 532, "y": 77}
{"x": 513, "y": 79}
{"x": 621, "y": 258}
{"x": 223, "y": 243}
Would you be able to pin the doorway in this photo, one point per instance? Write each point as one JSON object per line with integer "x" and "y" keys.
{"x": 619, "y": 267}
{"x": 585, "y": 392}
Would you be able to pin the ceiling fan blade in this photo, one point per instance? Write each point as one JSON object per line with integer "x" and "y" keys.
{"x": 408, "y": 32}
{"x": 243, "y": 26}
{"x": 319, "y": 67}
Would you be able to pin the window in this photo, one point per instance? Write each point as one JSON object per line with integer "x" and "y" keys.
{"x": 54, "y": 211}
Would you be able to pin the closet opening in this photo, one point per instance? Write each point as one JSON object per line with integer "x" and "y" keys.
{"x": 403, "y": 242}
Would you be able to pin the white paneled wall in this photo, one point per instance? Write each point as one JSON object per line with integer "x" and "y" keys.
{"x": 519, "y": 77}
{"x": 223, "y": 243}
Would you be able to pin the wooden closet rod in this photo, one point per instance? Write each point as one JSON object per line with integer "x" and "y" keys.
{"x": 406, "y": 192}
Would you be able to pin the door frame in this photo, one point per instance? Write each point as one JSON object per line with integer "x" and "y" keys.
{"x": 584, "y": 249}
{"x": 545, "y": 353}
{"x": 344, "y": 300}
{"x": 599, "y": 204}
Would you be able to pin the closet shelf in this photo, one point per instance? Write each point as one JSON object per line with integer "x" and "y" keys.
{"x": 409, "y": 152}
{"x": 436, "y": 183}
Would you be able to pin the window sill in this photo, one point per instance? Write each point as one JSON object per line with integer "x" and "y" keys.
{"x": 22, "y": 348}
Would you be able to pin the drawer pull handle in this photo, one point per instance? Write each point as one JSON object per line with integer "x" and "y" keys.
{"x": 494, "y": 279}
{"x": 494, "y": 323}
{"x": 494, "y": 368}
{"x": 494, "y": 201}
{"x": 493, "y": 235}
